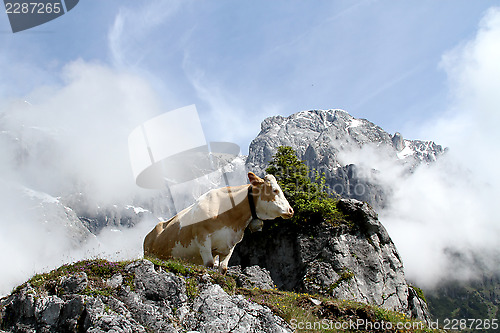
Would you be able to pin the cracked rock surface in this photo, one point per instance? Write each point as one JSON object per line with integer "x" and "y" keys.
{"x": 252, "y": 277}
{"x": 216, "y": 311}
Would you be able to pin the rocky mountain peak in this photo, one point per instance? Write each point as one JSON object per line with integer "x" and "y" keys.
{"x": 323, "y": 139}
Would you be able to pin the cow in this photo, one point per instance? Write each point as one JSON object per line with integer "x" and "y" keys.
{"x": 216, "y": 222}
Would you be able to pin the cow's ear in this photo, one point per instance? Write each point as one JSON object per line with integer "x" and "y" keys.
{"x": 255, "y": 180}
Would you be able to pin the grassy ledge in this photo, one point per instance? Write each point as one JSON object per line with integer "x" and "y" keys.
{"x": 315, "y": 313}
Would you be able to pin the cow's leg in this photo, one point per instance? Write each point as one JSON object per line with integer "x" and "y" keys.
{"x": 224, "y": 261}
{"x": 206, "y": 253}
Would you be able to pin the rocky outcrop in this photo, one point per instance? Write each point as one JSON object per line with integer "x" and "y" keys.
{"x": 353, "y": 260}
{"x": 54, "y": 216}
{"x": 252, "y": 277}
{"x": 216, "y": 311}
{"x": 140, "y": 298}
{"x": 323, "y": 139}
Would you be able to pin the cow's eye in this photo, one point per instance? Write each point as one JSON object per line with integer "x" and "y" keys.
{"x": 276, "y": 192}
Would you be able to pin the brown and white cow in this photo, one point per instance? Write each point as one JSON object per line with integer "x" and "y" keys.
{"x": 216, "y": 222}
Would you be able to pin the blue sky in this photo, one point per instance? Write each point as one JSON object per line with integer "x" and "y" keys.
{"x": 241, "y": 61}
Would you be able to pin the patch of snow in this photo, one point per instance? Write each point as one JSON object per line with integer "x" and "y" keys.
{"x": 355, "y": 123}
{"x": 407, "y": 151}
{"x": 44, "y": 197}
{"x": 137, "y": 210}
{"x": 303, "y": 115}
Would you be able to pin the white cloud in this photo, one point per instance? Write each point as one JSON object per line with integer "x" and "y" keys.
{"x": 451, "y": 205}
{"x": 79, "y": 130}
{"x": 68, "y": 139}
{"x": 474, "y": 70}
{"x": 130, "y": 36}
{"x": 72, "y": 138}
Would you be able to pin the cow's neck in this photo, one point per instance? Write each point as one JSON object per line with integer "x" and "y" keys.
{"x": 242, "y": 212}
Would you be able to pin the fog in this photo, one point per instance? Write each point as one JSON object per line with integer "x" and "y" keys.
{"x": 67, "y": 145}
{"x": 65, "y": 139}
{"x": 443, "y": 218}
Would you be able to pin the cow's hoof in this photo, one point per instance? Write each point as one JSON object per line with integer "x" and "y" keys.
{"x": 223, "y": 270}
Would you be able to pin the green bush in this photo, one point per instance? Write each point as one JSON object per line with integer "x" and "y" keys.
{"x": 419, "y": 292}
{"x": 305, "y": 190}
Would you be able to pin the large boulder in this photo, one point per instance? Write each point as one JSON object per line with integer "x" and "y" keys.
{"x": 215, "y": 311}
{"x": 252, "y": 277}
{"x": 355, "y": 260}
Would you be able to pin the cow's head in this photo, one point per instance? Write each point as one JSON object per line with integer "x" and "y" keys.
{"x": 271, "y": 202}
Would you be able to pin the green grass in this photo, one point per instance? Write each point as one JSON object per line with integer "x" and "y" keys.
{"x": 192, "y": 288}
{"x": 345, "y": 275}
{"x": 305, "y": 316}
{"x": 420, "y": 292}
{"x": 176, "y": 266}
{"x": 97, "y": 270}
{"x": 194, "y": 272}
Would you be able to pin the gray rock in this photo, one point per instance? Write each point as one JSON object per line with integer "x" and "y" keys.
{"x": 71, "y": 312}
{"x": 398, "y": 141}
{"x": 215, "y": 311}
{"x": 252, "y": 277}
{"x": 19, "y": 306}
{"x": 418, "y": 306}
{"x": 158, "y": 286}
{"x": 157, "y": 316}
{"x": 158, "y": 303}
{"x": 73, "y": 284}
{"x": 365, "y": 217}
{"x": 115, "y": 281}
{"x": 359, "y": 263}
{"x": 157, "y": 294}
{"x": 48, "y": 309}
{"x": 101, "y": 318}
{"x": 319, "y": 277}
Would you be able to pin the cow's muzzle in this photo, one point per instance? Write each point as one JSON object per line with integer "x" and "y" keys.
{"x": 288, "y": 214}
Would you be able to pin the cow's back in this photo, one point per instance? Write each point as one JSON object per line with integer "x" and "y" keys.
{"x": 211, "y": 212}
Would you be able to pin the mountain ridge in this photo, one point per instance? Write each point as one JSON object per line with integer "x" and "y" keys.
{"x": 322, "y": 138}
